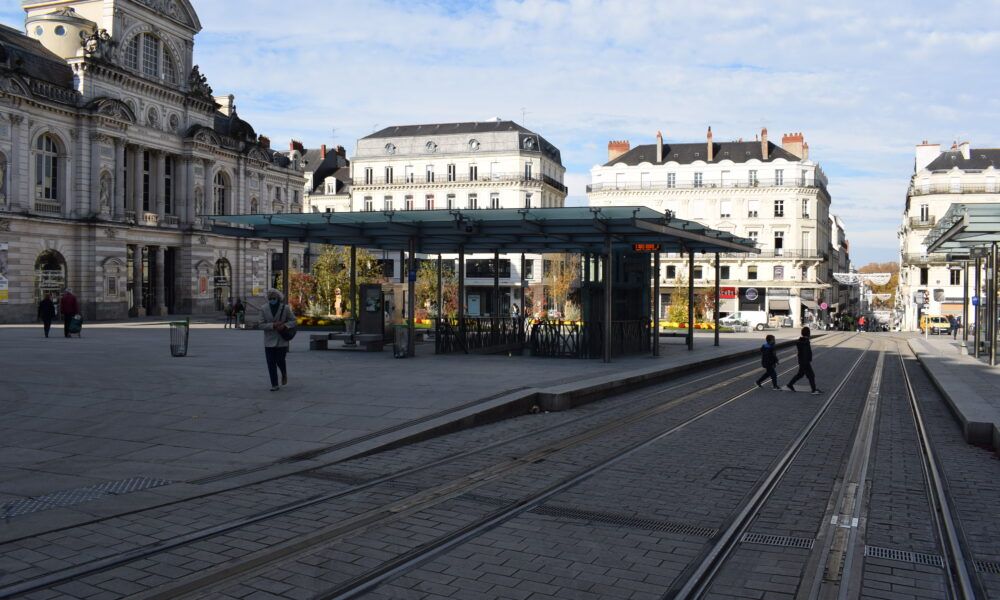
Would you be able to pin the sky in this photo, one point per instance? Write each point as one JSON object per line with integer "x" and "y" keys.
{"x": 864, "y": 81}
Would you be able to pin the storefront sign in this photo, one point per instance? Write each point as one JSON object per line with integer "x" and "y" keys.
{"x": 4, "y": 289}
{"x": 727, "y": 293}
{"x": 807, "y": 294}
{"x": 752, "y": 298}
{"x": 751, "y": 294}
{"x": 779, "y": 292}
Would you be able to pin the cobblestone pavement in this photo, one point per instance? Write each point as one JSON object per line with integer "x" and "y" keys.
{"x": 633, "y": 529}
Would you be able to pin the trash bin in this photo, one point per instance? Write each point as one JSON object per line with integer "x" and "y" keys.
{"x": 400, "y": 340}
{"x": 179, "y": 337}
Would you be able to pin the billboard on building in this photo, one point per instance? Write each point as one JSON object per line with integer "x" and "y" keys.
{"x": 4, "y": 288}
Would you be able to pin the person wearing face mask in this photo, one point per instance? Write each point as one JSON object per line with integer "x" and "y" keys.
{"x": 275, "y": 317}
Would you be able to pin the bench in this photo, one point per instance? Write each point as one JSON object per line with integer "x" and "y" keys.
{"x": 369, "y": 342}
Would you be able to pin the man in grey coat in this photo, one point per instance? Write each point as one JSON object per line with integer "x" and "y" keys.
{"x": 275, "y": 317}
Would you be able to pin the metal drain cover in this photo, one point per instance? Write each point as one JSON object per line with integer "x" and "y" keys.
{"x": 784, "y": 541}
{"x": 918, "y": 558}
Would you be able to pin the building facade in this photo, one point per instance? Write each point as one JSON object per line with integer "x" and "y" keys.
{"x": 327, "y": 177}
{"x": 940, "y": 178}
{"x": 775, "y": 195}
{"x": 462, "y": 166}
{"x": 114, "y": 154}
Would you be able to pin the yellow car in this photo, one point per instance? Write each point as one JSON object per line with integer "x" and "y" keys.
{"x": 934, "y": 324}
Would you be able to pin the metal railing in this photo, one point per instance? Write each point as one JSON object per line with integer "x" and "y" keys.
{"x": 443, "y": 179}
{"x": 559, "y": 339}
{"x": 918, "y": 223}
{"x": 170, "y": 220}
{"x": 690, "y": 185}
{"x": 925, "y": 189}
{"x": 810, "y": 253}
{"x": 914, "y": 258}
{"x": 478, "y": 334}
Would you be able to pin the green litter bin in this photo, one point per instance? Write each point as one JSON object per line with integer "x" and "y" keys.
{"x": 179, "y": 337}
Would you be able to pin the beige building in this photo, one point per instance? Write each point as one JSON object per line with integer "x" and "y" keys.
{"x": 773, "y": 194}
{"x": 940, "y": 178}
{"x": 114, "y": 153}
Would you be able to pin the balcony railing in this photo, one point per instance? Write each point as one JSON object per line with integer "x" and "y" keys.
{"x": 783, "y": 253}
{"x": 690, "y": 185}
{"x": 170, "y": 220}
{"x": 917, "y": 259}
{"x": 443, "y": 179}
{"x": 953, "y": 188}
{"x": 47, "y": 207}
{"x": 130, "y": 216}
{"x": 918, "y": 223}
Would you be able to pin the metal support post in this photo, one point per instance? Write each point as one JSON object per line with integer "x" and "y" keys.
{"x": 461, "y": 296}
{"x": 976, "y": 337}
{"x": 495, "y": 313}
{"x": 523, "y": 313}
{"x": 690, "y": 335}
{"x": 993, "y": 304}
{"x": 656, "y": 304}
{"x": 411, "y": 296}
{"x": 965, "y": 301}
{"x": 354, "y": 286}
{"x": 284, "y": 268}
{"x": 440, "y": 301}
{"x": 715, "y": 311}
{"x": 608, "y": 260}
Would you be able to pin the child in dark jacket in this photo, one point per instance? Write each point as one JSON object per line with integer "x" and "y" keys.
{"x": 769, "y": 360}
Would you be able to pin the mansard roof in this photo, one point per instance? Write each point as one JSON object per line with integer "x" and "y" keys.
{"x": 334, "y": 164}
{"x": 685, "y": 154}
{"x": 30, "y": 59}
{"x": 979, "y": 158}
{"x": 235, "y": 127}
{"x": 447, "y": 129}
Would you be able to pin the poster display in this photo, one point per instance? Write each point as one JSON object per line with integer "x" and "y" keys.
{"x": 4, "y": 289}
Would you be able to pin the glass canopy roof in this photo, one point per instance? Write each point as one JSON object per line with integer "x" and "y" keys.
{"x": 965, "y": 226}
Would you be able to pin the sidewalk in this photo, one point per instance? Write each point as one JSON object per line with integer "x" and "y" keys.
{"x": 113, "y": 419}
{"x": 967, "y": 384}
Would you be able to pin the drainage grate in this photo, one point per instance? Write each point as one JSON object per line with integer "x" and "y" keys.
{"x": 985, "y": 566}
{"x": 624, "y": 521}
{"x": 777, "y": 540}
{"x": 76, "y": 496}
{"x": 932, "y": 560}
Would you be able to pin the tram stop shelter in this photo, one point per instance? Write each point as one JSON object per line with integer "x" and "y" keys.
{"x": 617, "y": 245}
{"x": 970, "y": 234}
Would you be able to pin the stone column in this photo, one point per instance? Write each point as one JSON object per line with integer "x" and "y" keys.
{"x": 118, "y": 202}
{"x": 137, "y": 281}
{"x": 160, "y": 302}
{"x": 135, "y": 168}
{"x": 17, "y": 176}
{"x": 207, "y": 191}
{"x": 159, "y": 186}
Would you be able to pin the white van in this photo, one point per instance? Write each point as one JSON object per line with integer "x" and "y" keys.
{"x": 754, "y": 319}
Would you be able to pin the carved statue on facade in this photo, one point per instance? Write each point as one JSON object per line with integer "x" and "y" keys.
{"x": 199, "y": 203}
{"x": 3, "y": 179}
{"x": 98, "y": 45}
{"x": 198, "y": 85}
{"x": 105, "y": 194}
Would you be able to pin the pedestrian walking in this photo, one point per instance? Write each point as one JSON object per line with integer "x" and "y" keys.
{"x": 240, "y": 310}
{"x": 276, "y": 318}
{"x": 769, "y": 360}
{"x": 69, "y": 308}
{"x": 46, "y": 311}
{"x": 805, "y": 363}
{"x": 230, "y": 313}
{"x": 953, "y": 324}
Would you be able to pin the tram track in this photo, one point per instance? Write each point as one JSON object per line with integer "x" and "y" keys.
{"x": 409, "y": 506}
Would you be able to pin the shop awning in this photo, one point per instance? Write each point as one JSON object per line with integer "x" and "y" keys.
{"x": 810, "y": 304}
{"x": 780, "y": 305}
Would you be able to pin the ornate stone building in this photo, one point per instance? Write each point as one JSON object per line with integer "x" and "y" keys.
{"x": 114, "y": 154}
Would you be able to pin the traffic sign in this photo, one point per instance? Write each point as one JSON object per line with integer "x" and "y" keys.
{"x": 824, "y": 305}
{"x": 975, "y": 300}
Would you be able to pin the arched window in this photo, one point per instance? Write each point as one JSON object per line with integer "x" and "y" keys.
{"x": 220, "y": 191}
{"x": 132, "y": 54}
{"x": 148, "y": 54}
{"x": 47, "y": 169}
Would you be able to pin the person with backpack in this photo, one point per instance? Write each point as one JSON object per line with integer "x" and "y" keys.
{"x": 805, "y": 364}
{"x": 769, "y": 360}
{"x": 278, "y": 323}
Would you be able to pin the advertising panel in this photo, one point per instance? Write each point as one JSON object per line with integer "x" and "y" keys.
{"x": 752, "y": 298}
{"x": 4, "y": 289}
{"x": 727, "y": 293}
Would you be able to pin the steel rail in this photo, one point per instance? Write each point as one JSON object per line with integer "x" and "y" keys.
{"x": 701, "y": 578}
{"x": 958, "y": 559}
{"x": 104, "y": 564}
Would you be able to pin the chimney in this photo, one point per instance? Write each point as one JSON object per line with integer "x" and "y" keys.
{"x": 711, "y": 147}
{"x": 805, "y": 150}
{"x": 617, "y": 147}
{"x": 295, "y": 145}
{"x": 227, "y": 104}
{"x": 341, "y": 151}
{"x": 659, "y": 147}
{"x": 264, "y": 141}
{"x": 925, "y": 154}
{"x": 794, "y": 143}
{"x": 322, "y": 151}
{"x": 964, "y": 149}
{"x": 763, "y": 143}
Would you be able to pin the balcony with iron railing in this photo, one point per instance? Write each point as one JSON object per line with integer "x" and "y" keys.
{"x": 443, "y": 179}
{"x": 804, "y": 254}
{"x": 919, "y": 223}
{"x": 612, "y": 186}
{"x": 926, "y": 189}
{"x": 923, "y": 259}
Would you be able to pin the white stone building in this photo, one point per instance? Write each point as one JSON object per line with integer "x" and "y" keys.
{"x": 328, "y": 177}
{"x": 112, "y": 151}
{"x": 961, "y": 174}
{"x": 466, "y": 166}
{"x": 755, "y": 189}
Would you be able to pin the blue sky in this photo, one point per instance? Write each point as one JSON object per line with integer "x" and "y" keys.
{"x": 864, "y": 81}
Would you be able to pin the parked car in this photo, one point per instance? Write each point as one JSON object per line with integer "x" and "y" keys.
{"x": 754, "y": 319}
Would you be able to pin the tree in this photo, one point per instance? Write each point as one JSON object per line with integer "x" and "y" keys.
{"x": 332, "y": 272}
{"x": 561, "y": 272}
{"x": 678, "y": 311}
{"x": 426, "y": 288}
{"x": 301, "y": 292}
{"x": 888, "y": 288}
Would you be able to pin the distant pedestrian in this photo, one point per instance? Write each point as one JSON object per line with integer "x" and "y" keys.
{"x": 69, "y": 308}
{"x": 953, "y": 324}
{"x": 769, "y": 360}
{"x": 276, "y": 317}
{"x": 240, "y": 313}
{"x": 46, "y": 311}
{"x": 805, "y": 363}
{"x": 230, "y": 313}
{"x": 515, "y": 312}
